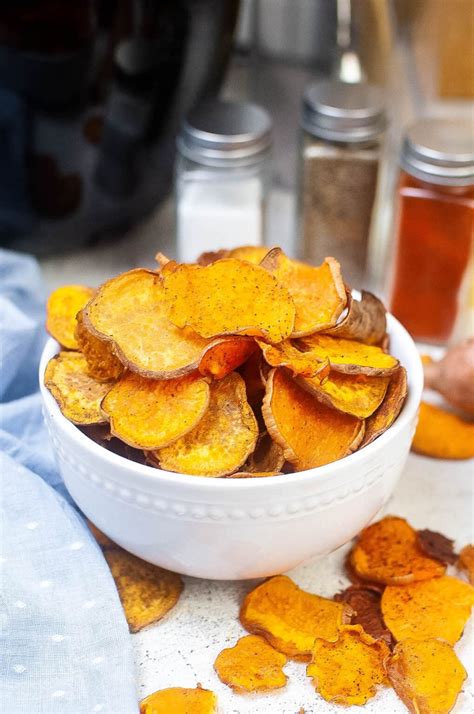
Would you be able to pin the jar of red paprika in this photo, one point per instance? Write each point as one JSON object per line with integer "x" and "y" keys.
{"x": 433, "y": 272}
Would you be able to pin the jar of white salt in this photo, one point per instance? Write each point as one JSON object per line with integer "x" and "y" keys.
{"x": 341, "y": 148}
{"x": 222, "y": 177}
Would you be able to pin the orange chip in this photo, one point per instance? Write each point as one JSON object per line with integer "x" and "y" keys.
{"x": 310, "y": 433}
{"x": 251, "y": 665}
{"x": 61, "y": 310}
{"x": 439, "y": 607}
{"x": 348, "y": 356}
{"x": 226, "y": 354}
{"x": 178, "y": 700}
{"x": 318, "y": 293}
{"x": 77, "y": 394}
{"x": 103, "y": 365}
{"x": 354, "y": 394}
{"x": 229, "y": 297}
{"x": 151, "y": 413}
{"x": 146, "y": 591}
{"x": 427, "y": 675}
{"x": 388, "y": 552}
{"x": 443, "y": 435}
{"x": 290, "y": 618}
{"x": 222, "y": 440}
{"x": 250, "y": 253}
{"x": 349, "y": 670}
{"x": 390, "y": 408}
{"x": 364, "y": 600}
{"x": 129, "y": 311}
{"x": 466, "y": 561}
{"x": 365, "y": 320}
{"x": 286, "y": 354}
{"x": 267, "y": 456}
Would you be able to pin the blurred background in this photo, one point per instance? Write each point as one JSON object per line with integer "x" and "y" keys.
{"x": 93, "y": 96}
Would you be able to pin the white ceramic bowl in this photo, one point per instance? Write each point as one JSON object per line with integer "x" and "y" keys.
{"x": 234, "y": 529}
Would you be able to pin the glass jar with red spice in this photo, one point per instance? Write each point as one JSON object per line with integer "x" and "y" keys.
{"x": 433, "y": 269}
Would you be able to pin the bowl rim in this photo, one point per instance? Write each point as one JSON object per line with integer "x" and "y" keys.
{"x": 322, "y": 473}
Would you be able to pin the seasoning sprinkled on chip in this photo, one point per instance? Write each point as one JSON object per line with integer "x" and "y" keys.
{"x": 251, "y": 665}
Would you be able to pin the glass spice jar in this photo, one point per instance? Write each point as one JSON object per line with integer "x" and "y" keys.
{"x": 341, "y": 147}
{"x": 222, "y": 177}
{"x": 433, "y": 270}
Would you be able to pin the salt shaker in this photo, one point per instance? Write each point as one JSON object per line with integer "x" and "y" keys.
{"x": 341, "y": 148}
{"x": 222, "y": 177}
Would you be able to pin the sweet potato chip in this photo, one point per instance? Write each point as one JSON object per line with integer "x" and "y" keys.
{"x": 255, "y": 474}
{"x": 222, "y": 440}
{"x": 251, "y": 665}
{"x": 286, "y": 354}
{"x": 318, "y": 292}
{"x": 364, "y": 601}
{"x": 349, "y": 670}
{"x": 251, "y": 253}
{"x": 466, "y": 561}
{"x": 365, "y": 320}
{"x": 229, "y": 297}
{"x": 390, "y": 408}
{"x": 432, "y": 608}
{"x": 146, "y": 591}
{"x": 348, "y": 356}
{"x": 354, "y": 394}
{"x": 103, "y": 365}
{"x": 310, "y": 433}
{"x": 388, "y": 552}
{"x": 178, "y": 700}
{"x": 437, "y": 545}
{"x": 226, "y": 354}
{"x": 290, "y": 618}
{"x": 254, "y": 383}
{"x": 267, "y": 456}
{"x": 61, "y": 310}
{"x": 427, "y": 675}
{"x": 130, "y": 312}
{"x": 442, "y": 434}
{"x": 151, "y": 413}
{"x": 77, "y": 394}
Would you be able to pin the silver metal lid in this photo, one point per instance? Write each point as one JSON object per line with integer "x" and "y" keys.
{"x": 226, "y": 134}
{"x": 338, "y": 111}
{"x": 440, "y": 151}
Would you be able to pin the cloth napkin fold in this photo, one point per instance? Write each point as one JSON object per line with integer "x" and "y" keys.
{"x": 65, "y": 645}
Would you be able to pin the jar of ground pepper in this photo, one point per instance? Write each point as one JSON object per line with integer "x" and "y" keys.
{"x": 433, "y": 248}
{"x": 342, "y": 132}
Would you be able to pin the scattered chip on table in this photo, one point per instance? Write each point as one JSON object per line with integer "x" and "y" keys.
{"x": 364, "y": 601}
{"x": 179, "y": 700}
{"x": 61, "y": 309}
{"x": 442, "y": 434}
{"x": 466, "y": 561}
{"x": 251, "y": 665}
{"x": 437, "y": 545}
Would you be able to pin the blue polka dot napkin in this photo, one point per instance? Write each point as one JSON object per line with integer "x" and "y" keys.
{"x": 64, "y": 644}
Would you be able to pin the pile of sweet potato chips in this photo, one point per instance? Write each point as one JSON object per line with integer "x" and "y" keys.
{"x": 395, "y": 625}
{"x": 245, "y": 364}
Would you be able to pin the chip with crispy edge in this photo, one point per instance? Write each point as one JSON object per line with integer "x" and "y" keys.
{"x": 222, "y": 440}
{"x": 348, "y": 356}
{"x": 388, "y": 552}
{"x": 229, "y": 297}
{"x": 427, "y": 675}
{"x": 286, "y": 354}
{"x": 365, "y": 320}
{"x": 130, "y": 312}
{"x": 147, "y": 592}
{"x": 439, "y": 607}
{"x": 102, "y": 363}
{"x": 318, "y": 292}
{"x": 388, "y": 411}
{"x": 251, "y": 665}
{"x": 251, "y": 253}
{"x": 225, "y": 354}
{"x": 437, "y": 545}
{"x": 266, "y": 457}
{"x": 466, "y": 561}
{"x": 290, "y": 618}
{"x": 254, "y": 383}
{"x": 442, "y": 434}
{"x": 180, "y": 700}
{"x": 151, "y": 413}
{"x": 61, "y": 310}
{"x": 310, "y": 433}
{"x": 349, "y": 670}
{"x": 355, "y": 394}
{"x": 255, "y": 474}
{"x": 364, "y": 600}
{"x": 77, "y": 394}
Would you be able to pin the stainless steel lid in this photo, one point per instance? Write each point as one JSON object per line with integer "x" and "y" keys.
{"x": 226, "y": 134}
{"x": 440, "y": 151}
{"x": 338, "y": 111}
